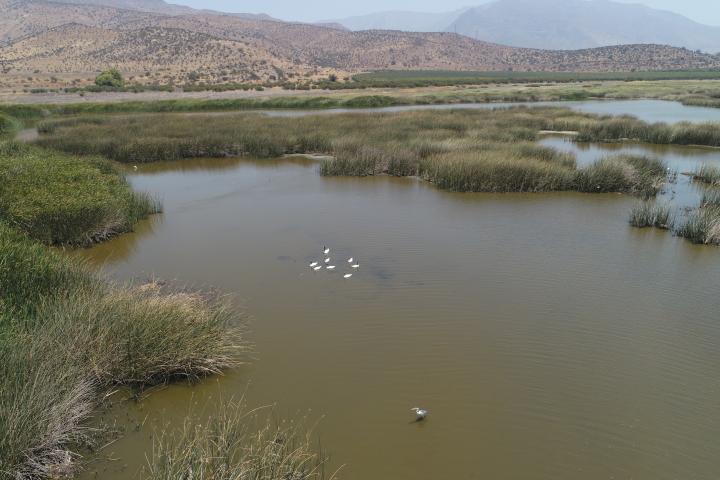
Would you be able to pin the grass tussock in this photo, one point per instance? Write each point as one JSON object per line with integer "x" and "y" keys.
{"x": 463, "y": 150}
{"x": 637, "y": 175}
{"x": 702, "y": 226}
{"x": 61, "y": 199}
{"x": 649, "y": 214}
{"x": 709, "y": 174}
{"x": 236, "y": 444}
{"x": 67, "y": 337}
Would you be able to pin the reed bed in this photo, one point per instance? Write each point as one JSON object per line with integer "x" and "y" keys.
{"x": 709, "y": 174}
{"x": 67, "y": 337}
{"x": 235, "y": 443}
{"x": 710, "y": 198}
{"x": 649, "y": 214}
{"x": 463, "y": 150}
{"x": 702, "y": 226}
{"x": 7, "y": 124}
{"x": 61, "y": 199}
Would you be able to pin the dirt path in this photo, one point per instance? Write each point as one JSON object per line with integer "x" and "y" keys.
{"x": 64, "y": 98}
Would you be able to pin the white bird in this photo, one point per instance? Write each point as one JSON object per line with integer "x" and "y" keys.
{"x": 134, "y": 167}
{"x": 420, "y": 414}
{"x": 357, "y": 265}
{"x": 314, "y": 264}
{"x": 326, "y": 250}
{"x": 330, "y": 267}
{"x": 348, "y": 275}
{"x": 351, "y": 259}
{"x": 317, "y": 268}
{"x": 327, "y": 260}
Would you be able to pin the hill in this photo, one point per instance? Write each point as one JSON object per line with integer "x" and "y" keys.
{"x": 77, "y": 40}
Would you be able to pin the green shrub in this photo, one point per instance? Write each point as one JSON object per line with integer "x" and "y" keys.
{"x": 110, "y": 78}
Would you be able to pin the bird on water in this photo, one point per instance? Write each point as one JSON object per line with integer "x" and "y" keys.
{"x": 420, "y": 414}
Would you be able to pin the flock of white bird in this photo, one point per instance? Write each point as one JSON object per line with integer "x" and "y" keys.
{"x": 317, "y": 266}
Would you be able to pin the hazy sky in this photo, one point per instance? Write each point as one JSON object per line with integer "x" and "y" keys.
{"x": 705, "y": 11}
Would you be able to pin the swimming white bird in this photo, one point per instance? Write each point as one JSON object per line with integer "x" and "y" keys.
{"x": 317, "y": 268}
{"x": 314, "y": 264}
{"x": 420, "y": 414}
{"x": 351, "y": 259}
{"x": 327, "y": 260}
{"x": 326, "y": 250}
{"x": 330, "y": 267}
{"x": 357, "y": 265}
{"x": 347, "y": 275}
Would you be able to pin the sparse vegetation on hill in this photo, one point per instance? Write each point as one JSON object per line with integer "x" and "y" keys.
{"x": 162, "y": 49}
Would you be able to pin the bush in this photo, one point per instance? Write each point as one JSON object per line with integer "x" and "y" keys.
{"x": 110, "y": 78}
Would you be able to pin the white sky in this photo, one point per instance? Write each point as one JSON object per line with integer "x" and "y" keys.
{"x": 704, "y": 11}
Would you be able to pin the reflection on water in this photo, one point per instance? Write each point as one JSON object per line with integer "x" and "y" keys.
{"x": 682, "y": 195}
{"x": 548, "y": 339}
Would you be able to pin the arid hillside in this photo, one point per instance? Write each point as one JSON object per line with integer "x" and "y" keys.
{"x": 50, "y": 38}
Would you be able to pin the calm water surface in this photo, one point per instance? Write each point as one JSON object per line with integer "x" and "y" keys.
{"x": 647, "y": 110}
{"x": 548, "y": 339}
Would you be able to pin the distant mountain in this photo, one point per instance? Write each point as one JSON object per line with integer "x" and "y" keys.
{"x": 403, "y": 21}
{"x": 554, "y": 24}
{"x": 572, "y": 24}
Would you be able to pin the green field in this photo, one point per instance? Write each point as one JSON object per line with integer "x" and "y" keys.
{"x": 425, "y": 78}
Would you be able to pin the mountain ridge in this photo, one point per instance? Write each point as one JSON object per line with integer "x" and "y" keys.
{"x": 77, "y": 40}
{"x": 557, "y": 24}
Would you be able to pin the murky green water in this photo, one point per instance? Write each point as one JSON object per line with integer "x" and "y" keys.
{"x": 548, "y": 339}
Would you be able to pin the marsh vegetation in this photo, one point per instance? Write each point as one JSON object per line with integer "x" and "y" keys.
{"x": 479, "y": 150}
{"x": 650, "y": 214}
{"x": 67, "y": 337}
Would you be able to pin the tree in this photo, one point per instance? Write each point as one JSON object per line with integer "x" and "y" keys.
{"x": 332, "y": 77}
{"x": 110, "y": 78}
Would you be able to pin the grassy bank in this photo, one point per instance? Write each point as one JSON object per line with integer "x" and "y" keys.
{"x": 60, "y": 199}
{"x": 67, "y": 337}
{"x": 697, "y": 92}
{"x": 464, "y": 150}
